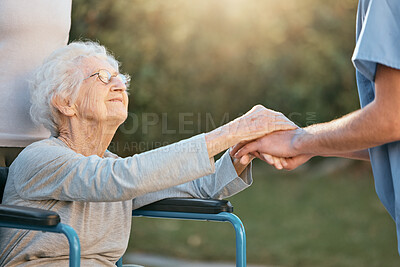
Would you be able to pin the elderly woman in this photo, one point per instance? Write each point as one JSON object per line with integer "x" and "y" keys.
{"x": 80, "y": 96}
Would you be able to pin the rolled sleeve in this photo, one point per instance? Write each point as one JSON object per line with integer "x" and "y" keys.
{"x": 223, "y": 183}
{"x": 229, "y": 181}
{"x": 379, "y": 38}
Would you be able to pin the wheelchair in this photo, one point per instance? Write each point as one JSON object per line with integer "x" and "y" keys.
{"x": 174, "y": 208}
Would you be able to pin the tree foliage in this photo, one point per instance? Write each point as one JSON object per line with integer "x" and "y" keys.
{"x": 213, "y": 60}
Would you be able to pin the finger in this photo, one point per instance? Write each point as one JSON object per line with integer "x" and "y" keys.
{"x": 267, "y": 158}
{"x": 245, "y": 160}
{"x": 283, "y": 126}
{"x": 236, "y": 147}
{"x": 284, "y": 163}
{"x": 256, "y": 154}
{"x": 277, "y": 163}
{"x": 251, "y": 157}
{"x": 247, "y": 149}
{"x": 260, "y": 157}
{"x": 295, "y": 162}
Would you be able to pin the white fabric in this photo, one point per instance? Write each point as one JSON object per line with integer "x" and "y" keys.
{"x": 29, "y": 32}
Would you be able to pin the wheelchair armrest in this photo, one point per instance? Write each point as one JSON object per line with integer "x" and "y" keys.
{"x": 190, "y": 205}
{"x": 28, "y": 216}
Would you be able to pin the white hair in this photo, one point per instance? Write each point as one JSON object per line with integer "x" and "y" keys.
{"x": 61, "y": 74}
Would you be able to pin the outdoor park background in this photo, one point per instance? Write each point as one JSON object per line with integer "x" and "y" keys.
{"x": 197, "y": 64}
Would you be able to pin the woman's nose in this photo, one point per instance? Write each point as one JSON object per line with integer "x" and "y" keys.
{"x": 118, "y": 84}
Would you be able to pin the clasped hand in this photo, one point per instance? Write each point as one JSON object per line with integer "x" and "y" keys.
{"x": 277, "y": 148}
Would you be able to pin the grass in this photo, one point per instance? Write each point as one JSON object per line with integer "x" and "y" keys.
{"x": 300, "y": 218}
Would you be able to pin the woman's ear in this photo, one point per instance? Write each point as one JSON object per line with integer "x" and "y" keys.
{"x": 63, "y": 105}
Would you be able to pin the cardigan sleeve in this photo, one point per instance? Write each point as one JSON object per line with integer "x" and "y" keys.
{"x": 224, "y": 183}
{"x": 49, "y": 170}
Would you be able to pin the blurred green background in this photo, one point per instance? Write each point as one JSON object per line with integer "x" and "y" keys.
{"x": 196, "y": 64}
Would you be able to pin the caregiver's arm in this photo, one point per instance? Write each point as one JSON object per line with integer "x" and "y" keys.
{"x": 294, "y": 162}
{"x": 359, "y": 155}
{"x": 376, "y": 124}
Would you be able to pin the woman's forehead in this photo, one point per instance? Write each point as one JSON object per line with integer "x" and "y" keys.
{"x": 93, "y": 64}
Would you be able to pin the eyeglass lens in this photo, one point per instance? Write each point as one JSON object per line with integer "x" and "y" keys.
{"x": 105, "y": 77}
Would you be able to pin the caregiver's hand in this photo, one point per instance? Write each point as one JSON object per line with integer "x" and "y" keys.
{"x": 276, "y": 149}
{"x": 283, "y": 163}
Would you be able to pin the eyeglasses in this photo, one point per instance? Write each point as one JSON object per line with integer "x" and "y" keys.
{"x": 105, "y": 76}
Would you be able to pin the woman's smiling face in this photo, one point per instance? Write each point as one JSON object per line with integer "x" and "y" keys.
{"x": 97, "y": 101}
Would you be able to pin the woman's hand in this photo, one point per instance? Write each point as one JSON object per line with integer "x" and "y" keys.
{"x": 241, "y": 164}
{"x": 285, "y": 163}
{"x": 256, "y": 123}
